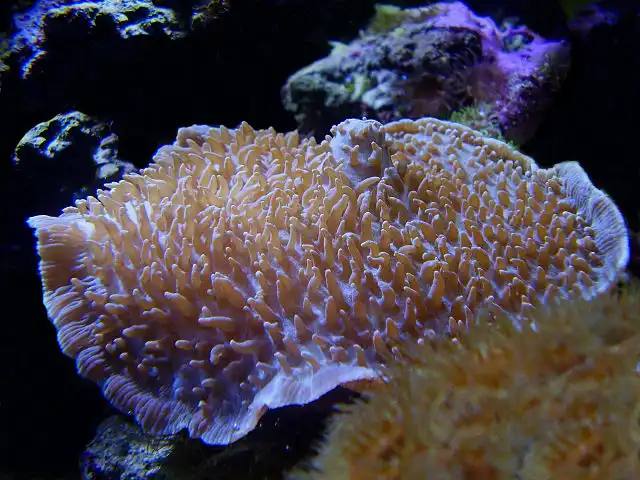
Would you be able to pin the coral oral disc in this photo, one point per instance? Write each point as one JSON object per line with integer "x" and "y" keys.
{"x": 247, "y": 269}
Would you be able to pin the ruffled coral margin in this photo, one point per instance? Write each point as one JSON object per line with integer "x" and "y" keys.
{"x": 61, "y": 246}
{"x": 63, "y": 253}
{"x": 599, "y": 210}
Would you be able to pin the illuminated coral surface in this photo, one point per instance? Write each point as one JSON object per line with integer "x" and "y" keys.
{"x": 247, "y": 269}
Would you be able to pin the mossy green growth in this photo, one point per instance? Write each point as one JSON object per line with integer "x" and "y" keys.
{"x": 338, "y": 48}
{"x": 389, "y": 17}
{"x": 386, "y": 18}
{"x": 357, "y": 85}
{"x": 482, "y": 118}
{"x": 572, "y": 7}
{"x": 204, "y": 14}
{"x": 5, "y": 52}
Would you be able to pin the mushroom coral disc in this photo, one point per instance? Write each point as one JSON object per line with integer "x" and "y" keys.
{"x": 246, "y": 269}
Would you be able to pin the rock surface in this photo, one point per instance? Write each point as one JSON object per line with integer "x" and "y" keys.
{"x": 432, "y": 61}
{"x": 66, "y": 158}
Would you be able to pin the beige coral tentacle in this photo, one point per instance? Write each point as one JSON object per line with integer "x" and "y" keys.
{"x": 248, "y": 269}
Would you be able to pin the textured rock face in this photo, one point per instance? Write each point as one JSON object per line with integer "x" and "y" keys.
{"x": 66, "y": 157}
{"x": 51, "y": 21}
{"x": 432, "y": 61}
{"x": 246, "y": 270}
{"x": 121, "y": 450}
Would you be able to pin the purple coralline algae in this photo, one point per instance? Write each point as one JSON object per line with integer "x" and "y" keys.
{"x": 432, "y": 61}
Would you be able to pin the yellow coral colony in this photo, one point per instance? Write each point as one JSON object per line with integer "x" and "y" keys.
{"x": 245, "y": 269}
{"x": 560, "y": 402}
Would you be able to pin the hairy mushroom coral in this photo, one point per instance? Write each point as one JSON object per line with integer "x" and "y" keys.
{"x": 246, "y": 269}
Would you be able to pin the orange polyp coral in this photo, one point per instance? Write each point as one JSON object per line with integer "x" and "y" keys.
{"x": 560, "y": 401}
{"x": 246, "y": 269}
